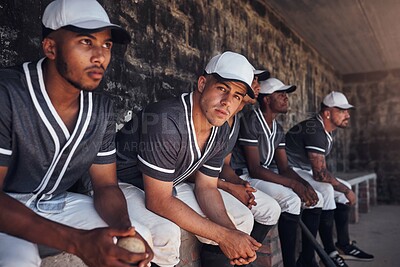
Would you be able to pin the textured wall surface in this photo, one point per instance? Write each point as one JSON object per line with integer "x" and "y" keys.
{"x": 375, "y": 132}
{"x": 172, "y": 42}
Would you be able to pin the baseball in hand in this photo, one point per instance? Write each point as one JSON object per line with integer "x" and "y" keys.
{"x": 133, "y": 244}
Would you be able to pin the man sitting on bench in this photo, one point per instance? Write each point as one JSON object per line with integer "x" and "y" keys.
{"x": 307, "y": 145}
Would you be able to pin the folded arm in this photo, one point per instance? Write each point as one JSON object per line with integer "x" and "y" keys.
{"x": 218, "y": 227}
{"x": 308, "y": 194}
{"x": 322, "y": 174}
{"x": 230, "y": 182}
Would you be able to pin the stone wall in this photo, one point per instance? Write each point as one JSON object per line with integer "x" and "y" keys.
{"x": 172, "y": 42}
{"x": 375, "y": 133}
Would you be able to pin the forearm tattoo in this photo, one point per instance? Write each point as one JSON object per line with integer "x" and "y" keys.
{"x": 322, "y": 175}
{"x": 320, "y": 172}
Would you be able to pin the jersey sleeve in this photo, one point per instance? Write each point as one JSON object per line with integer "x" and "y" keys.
{"x": 5, "y": 127}
{"x": 127, "y": 142}
{"x": 159, "y": 147}
{"x": 314, "y": 137}
{"x": 248, "y": 134}
{"x": 213, "y": 166}
{"x": 107, "y": 151}
{"x": 281, "y": 137}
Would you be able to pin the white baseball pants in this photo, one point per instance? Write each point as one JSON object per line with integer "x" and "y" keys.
{"x": 78, "y": 212}
{"x": 287, "y": 199}
{"x": 328, "y": 193}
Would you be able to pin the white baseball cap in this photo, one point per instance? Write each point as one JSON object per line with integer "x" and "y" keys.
{"x": 337, "y": 100}
{"x": 262, "y": 74}
{"x": 232, "y": 66}
{"x": 273, "y": 85}
{"x": 83, "y": 16}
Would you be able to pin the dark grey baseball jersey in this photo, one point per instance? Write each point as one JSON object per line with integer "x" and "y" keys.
{"x": 42, "y": 156}
{"x": 168, "y": 149}
{"x": 254, "y": 131}
{"x": 307, "y": 136}
{"x": 127, "y": 142}
{"x": 233, "y": 135}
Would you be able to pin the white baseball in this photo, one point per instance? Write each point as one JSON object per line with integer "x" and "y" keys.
{"x": 133, "y": 244}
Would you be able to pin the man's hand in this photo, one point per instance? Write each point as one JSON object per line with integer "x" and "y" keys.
{"x": 311, "y": 195}
{"x": 351, "y": 197}
{"x": 306, "y": 193}
{"x": 149, "y": 251}
{"x": 244, "y": 193}
{"x": 239, "y": 247}
{"x": 97, "y": 248}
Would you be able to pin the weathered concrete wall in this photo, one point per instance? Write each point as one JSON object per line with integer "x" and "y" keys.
{"x": 375, "y": 132}
{"x": 173, "y": 40}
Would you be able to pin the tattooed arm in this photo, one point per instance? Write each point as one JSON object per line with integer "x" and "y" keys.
{"x": 321, "y": 174}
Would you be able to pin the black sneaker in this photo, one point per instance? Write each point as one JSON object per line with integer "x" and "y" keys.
{"x": 337, "y": 260}
{"x": 351, "y": 252}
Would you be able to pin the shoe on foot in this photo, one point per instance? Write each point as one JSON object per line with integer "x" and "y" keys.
{"x": 337, "y": 260}
{"x": 351, "y": 252}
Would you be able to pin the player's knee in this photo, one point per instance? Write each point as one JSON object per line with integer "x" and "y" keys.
{"x": 320, "y": 202}
{"x": 294, "y": 205}
{"x": 248, "y": 219}
{"x": 267, "y": 213}
{"x": 145, "y": 233}
{"x": 327, "y": 191}
{"x": 167, "y": 233}
{"x": 275, "y": 212}
{"x": 326, "y": 188}
{"x": 244, "y": 221}
{"x": 167, "y": 241}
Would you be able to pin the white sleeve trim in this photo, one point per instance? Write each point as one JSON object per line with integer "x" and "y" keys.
{"x": 315, "y": 148}
{"x": 212, "y": 168}
{"x": 5, "y": 152}
{"x": 248, "y": 140}
{"x": 107, "y": 153}
{"x": 154, "y": 166}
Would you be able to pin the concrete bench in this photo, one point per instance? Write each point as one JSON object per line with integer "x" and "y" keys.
{"x": 364, "y": 186}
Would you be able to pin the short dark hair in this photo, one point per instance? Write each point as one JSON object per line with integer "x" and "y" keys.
{"x": 260, "y": 100}
{"x": 46, "y": 31}
{"x": 323, "y": 107}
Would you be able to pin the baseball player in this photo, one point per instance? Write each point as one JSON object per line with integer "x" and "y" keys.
{"x": 261, "y": 141}
{"x": 187, "y": 136}
{"x": 266, "y": 210}
{"x": 53, "y": 130}
{"x": 307, "y": 145}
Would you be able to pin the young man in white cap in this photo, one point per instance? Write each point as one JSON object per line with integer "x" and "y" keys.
{"x": 54, "y": 130}
{"x": 266, "y": 210}
{"x": 307, "y": 145}
{"x": 261, "y": 141}
{"x": 186, "y": 137}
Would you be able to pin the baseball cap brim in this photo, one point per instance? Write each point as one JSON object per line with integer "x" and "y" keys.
{"x": 118, "y": 34}
{"x": 262, "y": 74}
{"x": 345, "y": 106}
{"x": 287, "y": 89}
{"x": 249, "y": 91}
